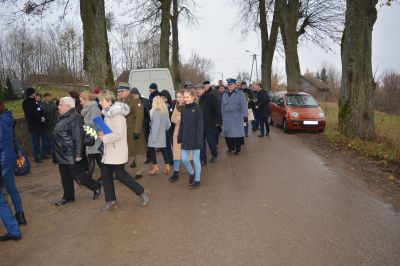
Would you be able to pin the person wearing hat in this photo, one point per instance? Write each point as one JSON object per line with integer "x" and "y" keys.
{"x": 166, "y": 96}
{"x": 36, "y": 119}
{"x": 212, "y": 117}
{"x": 234, "y": 115}
{"x": 137, "y": 146}
{"x": 153, "y": 88}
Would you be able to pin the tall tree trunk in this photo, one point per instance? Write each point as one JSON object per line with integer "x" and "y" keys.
{"x": 96, "y": 57}
{"x": 165, "y": 33}
{"x": 176, "y": 65}
{"x": 268, "y": 43}
{"x": 356, "y": 108}
{"x": 289, "y": 16}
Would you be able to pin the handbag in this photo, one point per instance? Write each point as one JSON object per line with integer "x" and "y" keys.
{"x": 250, "y": 115}
{"x": 22, "y": 165}
{"x": 89, "y": 140}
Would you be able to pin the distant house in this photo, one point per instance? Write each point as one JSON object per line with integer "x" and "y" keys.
{"x": 124, "y": 77}
{"x": 316, "y": 88}
{"x": 18, "y": 88}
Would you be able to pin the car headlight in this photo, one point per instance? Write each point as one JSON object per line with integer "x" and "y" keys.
{"x": 321, "y": 115}
{"x": 294, "y": 114}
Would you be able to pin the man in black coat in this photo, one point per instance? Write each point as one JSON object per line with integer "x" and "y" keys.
{"x": 35, "y": 117}
{"x": 262, "y": 109}
{"x": 67, "y": 152}
{"x": 212, "y": 117}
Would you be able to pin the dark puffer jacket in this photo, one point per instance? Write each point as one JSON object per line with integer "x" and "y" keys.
{"x": 191, "y": 129}
{"x": 262, "y": 104}
{"x": 7, "y": 151}
{"x": 211, "y": 111}
{"x": 68, "y": 138}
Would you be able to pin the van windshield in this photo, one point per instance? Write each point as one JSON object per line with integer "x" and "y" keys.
{"x": 301, "y": 100}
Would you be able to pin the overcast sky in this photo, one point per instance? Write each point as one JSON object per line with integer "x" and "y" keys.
{"x": 214, "y": 38}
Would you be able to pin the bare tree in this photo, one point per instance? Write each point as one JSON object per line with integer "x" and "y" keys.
{"x": 356, "y": 108}
{"x": 315, "y": 20}
{"x": 197, "y": 68}
{"x": 262, "y": 15}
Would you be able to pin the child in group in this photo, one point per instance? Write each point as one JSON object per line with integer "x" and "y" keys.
{"x": 190, "y": 136}
{"x": 160, "y": 123}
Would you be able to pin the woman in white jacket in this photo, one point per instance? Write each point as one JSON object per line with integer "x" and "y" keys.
{"x": 116, "y": 151}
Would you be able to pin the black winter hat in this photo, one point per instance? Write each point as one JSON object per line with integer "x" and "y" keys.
{"x": 29, "y": 91}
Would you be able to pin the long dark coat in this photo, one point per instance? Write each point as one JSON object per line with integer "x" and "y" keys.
{"x": 233, "y": 111}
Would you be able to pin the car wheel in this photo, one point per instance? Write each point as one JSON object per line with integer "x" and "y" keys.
{"x": 285, "y": 126}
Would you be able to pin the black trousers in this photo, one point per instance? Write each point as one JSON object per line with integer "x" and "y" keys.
{"x": 235, "y": 144}
{"x": 107, "y": 171}
{"x": 153, "y": 155}
{"x": 264, "y": 125}
{"x": 92, "y": 160}
{"x": 68, "y": 173}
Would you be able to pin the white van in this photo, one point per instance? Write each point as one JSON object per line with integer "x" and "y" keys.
{"x": 142, "y": 78}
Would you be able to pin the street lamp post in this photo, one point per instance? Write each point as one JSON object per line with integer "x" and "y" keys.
{"x": 252, "y": 65}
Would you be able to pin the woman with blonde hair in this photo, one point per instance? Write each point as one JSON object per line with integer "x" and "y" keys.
{"x": 116, "y": 151}
{"x": 190, "y": 136}
{"x": 89, "y": 111}
{"x": 159, "y": 125}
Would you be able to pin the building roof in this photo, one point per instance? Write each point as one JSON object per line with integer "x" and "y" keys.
{"x": 316, "y": 82}
{"x": 124, "y": 77}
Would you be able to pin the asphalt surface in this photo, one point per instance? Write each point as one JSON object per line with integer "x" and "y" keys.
{"x": 277, "y": 203}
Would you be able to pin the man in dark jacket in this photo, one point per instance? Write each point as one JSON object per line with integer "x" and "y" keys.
{"x": 262, "y": 109}
{"x": 67, "y": 152}
{"x": 153, "y": 88}
{"x": 35, "y": 117}
{"x": 212, "y": 117}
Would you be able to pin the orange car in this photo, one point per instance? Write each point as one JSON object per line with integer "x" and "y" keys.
{"x": 297, "y": 111}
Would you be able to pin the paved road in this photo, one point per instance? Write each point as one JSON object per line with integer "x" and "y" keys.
{"x": 275, "y": 204}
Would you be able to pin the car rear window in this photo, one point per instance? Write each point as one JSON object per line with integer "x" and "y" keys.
{"x": 301, "y": 100}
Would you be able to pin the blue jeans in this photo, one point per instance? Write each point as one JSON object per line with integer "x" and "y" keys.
{"x": 177, "y": 163}
{"x": 8, "y": 218}
{"x": 42, "y": 149}
{"x": 210, "y": 136}
{"x": 8, "y": 180}
{"x": 197, "y": 164}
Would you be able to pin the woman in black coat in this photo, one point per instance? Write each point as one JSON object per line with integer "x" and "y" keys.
{"x": 190, "y": 136}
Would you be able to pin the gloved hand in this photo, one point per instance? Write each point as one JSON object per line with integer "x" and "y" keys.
{"x": 136, "y": 135}
{"x": 245, "y": 119}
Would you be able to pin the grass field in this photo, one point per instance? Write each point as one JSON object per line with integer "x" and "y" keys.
{"x": 16, "y": 105}
{"x": 387, "y": 143}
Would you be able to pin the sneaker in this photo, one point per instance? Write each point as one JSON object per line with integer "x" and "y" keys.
{"x": 145, "y": 198}
{"x": 109, "y": 205}
{"x": 174, "y": 177}
{"x": 195, "y": 185}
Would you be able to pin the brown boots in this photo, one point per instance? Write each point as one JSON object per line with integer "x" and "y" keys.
{"x": 167, "y": 169}
{"x": 154, "y": 169}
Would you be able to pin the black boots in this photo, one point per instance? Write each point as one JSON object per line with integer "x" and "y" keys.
{"x": 174, "y": 177}
{"x": 20, "y": 218}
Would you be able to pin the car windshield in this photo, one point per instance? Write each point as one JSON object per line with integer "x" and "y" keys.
{"x": 301, "y": 100}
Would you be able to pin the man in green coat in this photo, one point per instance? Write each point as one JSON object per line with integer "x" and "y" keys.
{"x": 137, "y": 146}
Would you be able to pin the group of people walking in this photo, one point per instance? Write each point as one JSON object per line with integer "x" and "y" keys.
{"x": 138, "y": 128}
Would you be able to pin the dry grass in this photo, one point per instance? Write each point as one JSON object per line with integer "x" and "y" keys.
{"x": 387, "y": 144}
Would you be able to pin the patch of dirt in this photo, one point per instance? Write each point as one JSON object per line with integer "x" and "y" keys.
{"x": 381, "y": 177}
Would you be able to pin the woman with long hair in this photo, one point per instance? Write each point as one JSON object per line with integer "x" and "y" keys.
{"x": 116, "y": 151}
{"x": 190, "y": 136}
{"x": 176, "y": 119}
{"x": 160, "y": 123}
{"x": 89, "y": 111}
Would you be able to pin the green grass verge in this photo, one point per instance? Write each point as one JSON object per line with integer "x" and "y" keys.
{"x": 385, "y": 147}
{"x": 16, "y": 105}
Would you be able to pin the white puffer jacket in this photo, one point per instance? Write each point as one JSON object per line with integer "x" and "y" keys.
{"x": 115, "y": 143}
